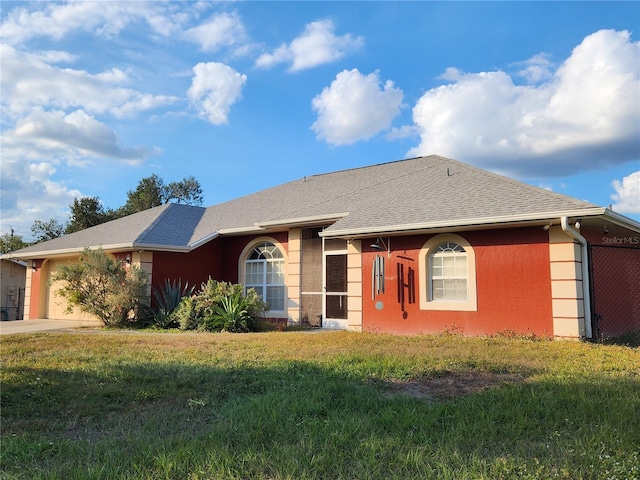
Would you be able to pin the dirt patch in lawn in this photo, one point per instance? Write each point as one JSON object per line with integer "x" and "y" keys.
{"x": 446, "y": 385}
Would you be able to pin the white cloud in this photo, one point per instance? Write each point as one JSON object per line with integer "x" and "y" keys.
{"x": 355, "y": 107}
{"x": 103, "y": 18}
{"x": 46, "y": 199}
{"x": 27, "y": 81}
{"x": 317, "y": 45}
{"x": 224, "y": 29}
{"x": 585, "y": 116}
{"x": 537, "y": 69}
{"x": 38, "y": 146}
{"x": 627, "y": 196}
{"x": 77, "y": 134}
{"x": 215, "y": 87}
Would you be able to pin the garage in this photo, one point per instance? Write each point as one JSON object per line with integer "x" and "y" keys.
{"x": 55, "y": 306}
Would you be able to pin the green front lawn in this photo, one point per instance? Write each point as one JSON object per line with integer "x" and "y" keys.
{"x": 334, "y": 405}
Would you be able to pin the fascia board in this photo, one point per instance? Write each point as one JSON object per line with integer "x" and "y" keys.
{"x": 204, "y": 240}
{"x": 68, "y": 251}
{"x": 61, "y": 252}
{"x": 469, "y": 223}
{"x": 621, "y": 220}
{"x": 240, "y": 230}
{"x": 300, "y": 221}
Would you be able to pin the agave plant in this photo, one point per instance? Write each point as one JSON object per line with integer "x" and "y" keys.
{"x": 167, "y": 300}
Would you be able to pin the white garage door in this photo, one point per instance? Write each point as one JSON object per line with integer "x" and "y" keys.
{"x": 56, "y": 305}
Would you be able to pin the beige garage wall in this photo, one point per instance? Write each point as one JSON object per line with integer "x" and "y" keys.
{"x": 55, "y": 305}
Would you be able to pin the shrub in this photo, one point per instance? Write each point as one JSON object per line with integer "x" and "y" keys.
{"x": 185, "y": 313}
{"x": 100, "y": 285}
{"x": 167, "y": 300}
{"x": 221, "y": 306}
{"x": 230, "y": 315}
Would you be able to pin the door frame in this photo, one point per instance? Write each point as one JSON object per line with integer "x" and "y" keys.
{"x": 333, "y": 323}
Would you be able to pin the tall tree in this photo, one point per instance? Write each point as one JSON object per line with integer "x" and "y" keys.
{"x": 49, "y": 230}
{"x": 148, "y": 194}
{"x": 87, "y": 212}
{"x": 187, "y": 191}
{"x": 152, "y": 192}
{"x": 10, "y": 242}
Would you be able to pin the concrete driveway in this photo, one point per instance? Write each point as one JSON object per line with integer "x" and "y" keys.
{"x": 44, "y": 325}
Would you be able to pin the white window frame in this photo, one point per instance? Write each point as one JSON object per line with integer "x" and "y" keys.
{"x": 242, "y": 263}
{"x": 425, "y": 272}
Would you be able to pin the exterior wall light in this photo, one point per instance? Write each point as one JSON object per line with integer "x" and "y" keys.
{"x": 381, "y": 246}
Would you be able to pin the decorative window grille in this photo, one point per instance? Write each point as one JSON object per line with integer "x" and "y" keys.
{"x": 264, "y": 272}
{"x": 448, "y": 277}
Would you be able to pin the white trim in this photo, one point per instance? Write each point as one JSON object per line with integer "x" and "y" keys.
{"x": 586, "y": 291}
{"x": 240, "y": 230}
{"x": 424, "y": 284}
{"x": 302, "y": 221}
{"x": 205, "y": 239}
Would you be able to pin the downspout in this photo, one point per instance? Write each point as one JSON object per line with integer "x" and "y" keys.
{"x": 586, "y": 291}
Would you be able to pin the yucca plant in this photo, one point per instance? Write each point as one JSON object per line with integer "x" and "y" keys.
{"x": 231, "y": 314}
{"x": 167, "y": 300}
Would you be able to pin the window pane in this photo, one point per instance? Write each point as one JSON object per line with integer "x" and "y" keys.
{"x": 336, "y": 273}
{"x": 336, "y": 306}
{"x": 275, "y": 273}
{"x": 438, "y": 290}
{"x": 275, "y": 298}
{"x": 254, "y": 273}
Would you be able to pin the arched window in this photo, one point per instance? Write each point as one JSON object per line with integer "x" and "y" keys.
{"x": 448, "y": 274}
{"x": 264, "y": 271}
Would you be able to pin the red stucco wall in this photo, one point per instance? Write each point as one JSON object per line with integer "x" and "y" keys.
{"x": 217, "y": 259}
{"x": 513, "y": 287}
{"x": 193, "y": 268}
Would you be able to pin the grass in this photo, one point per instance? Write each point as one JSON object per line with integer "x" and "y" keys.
{"x": 295, "y": 405}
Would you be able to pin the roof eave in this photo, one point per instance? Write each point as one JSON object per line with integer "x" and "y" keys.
{"x": 540, "y": 218}
{"x": 204, "y": 240}
{"x": 302, "y": 221}
{"x": 63, "y": 252}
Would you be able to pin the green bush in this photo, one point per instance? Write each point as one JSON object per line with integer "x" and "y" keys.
{"x": 230, "y": 315}
{"x": 168, "y": 299}
{"x": 102, "y": 286}
{"x": 221, "y": 306}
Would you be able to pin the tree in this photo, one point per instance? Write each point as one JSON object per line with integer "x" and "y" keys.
{"x": 187, "y": 191}
{"x": 87, "y": 212}
{"x": 10, "y": 242}
{"x": 148, "y": 194}
{"x": 152, "y": 192}
{"x": 44, "y": 231}
{"x": 101, "y": 285}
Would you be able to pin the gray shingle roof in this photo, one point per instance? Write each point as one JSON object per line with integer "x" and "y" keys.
{"x": 405, "y": 194}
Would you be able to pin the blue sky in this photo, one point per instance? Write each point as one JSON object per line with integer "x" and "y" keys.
{"x": 248, "y": 95}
